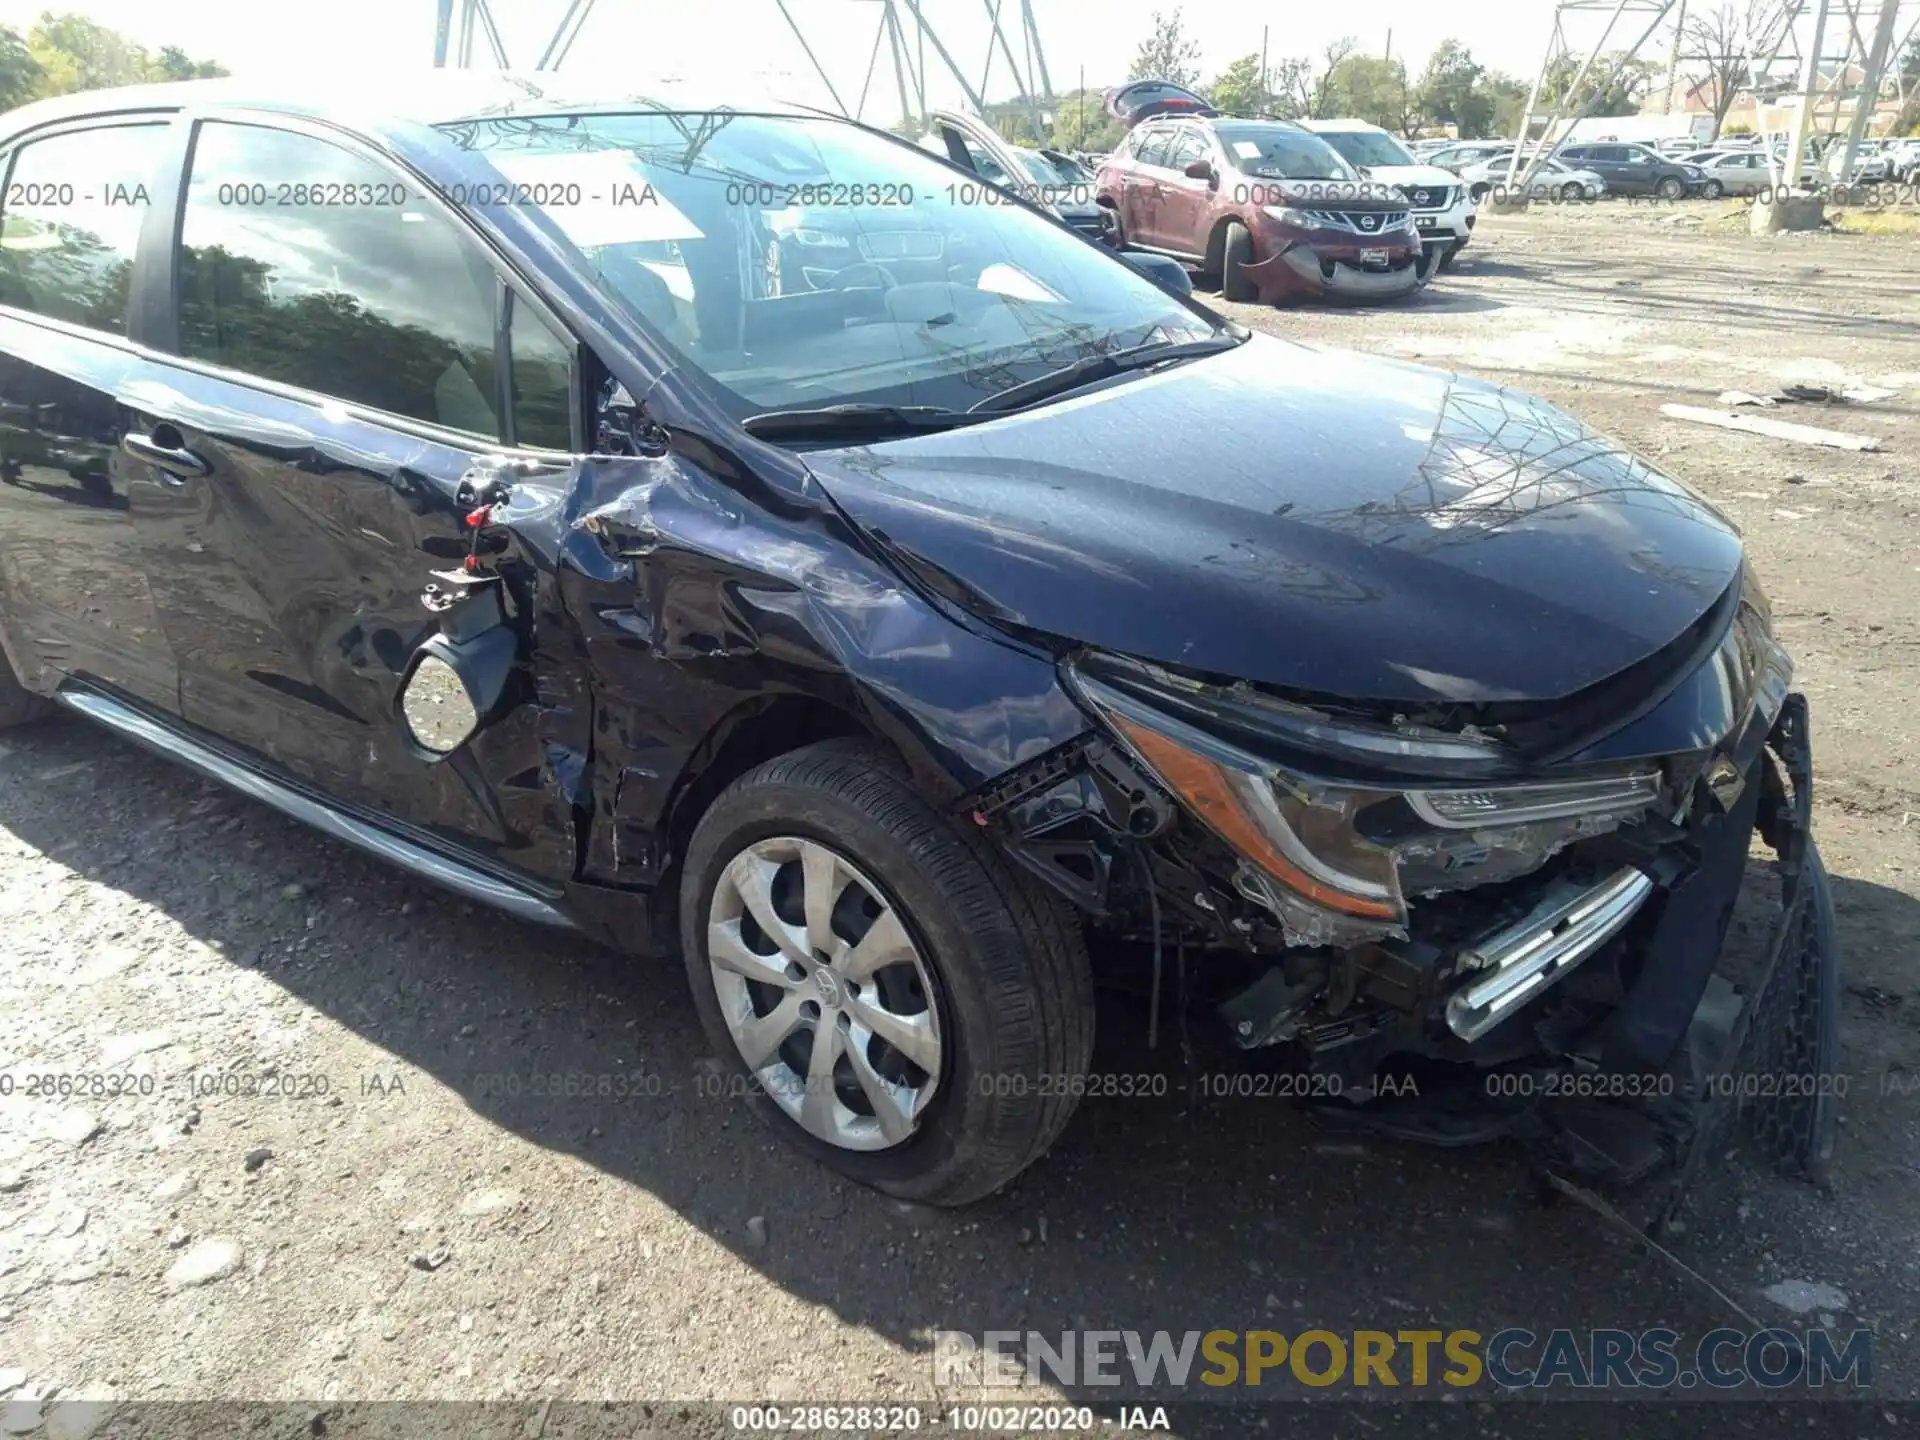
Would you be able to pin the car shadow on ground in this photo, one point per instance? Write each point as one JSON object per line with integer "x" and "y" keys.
{"x": 1161, "y": 1211}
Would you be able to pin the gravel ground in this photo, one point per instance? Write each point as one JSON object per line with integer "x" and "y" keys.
{"x": 401, "y": 1219}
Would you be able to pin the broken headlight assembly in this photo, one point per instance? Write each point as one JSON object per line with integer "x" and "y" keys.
{"x": 1336, "y": 860}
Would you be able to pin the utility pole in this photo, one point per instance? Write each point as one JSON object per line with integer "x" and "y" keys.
{"x": 1673, "y": 59}
{"x": 1262, "y": 108}
{"x": 1869, "y": 97}
{"x": 442, "y": 30}
{"x": 1809, "y": 87}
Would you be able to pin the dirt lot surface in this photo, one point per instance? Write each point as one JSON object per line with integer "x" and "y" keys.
{"x": 418, "y": 1231}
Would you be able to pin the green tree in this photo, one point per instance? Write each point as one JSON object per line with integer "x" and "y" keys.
{"x": 1621, "y": 96}
{"x": 1509, "y": 102}
{"x": 1240, "y": 88}
{"x": 70, "y": 52}
{"x": 1168, "y": 54}
{"x": 1372, "y": 89}
{"x": 1081, "y": 122}
{"x": 1454, "y": 90}
{"x": 20, "y": 73}
{"x": 173, "y": 63}
{"x": 81, "y": 54}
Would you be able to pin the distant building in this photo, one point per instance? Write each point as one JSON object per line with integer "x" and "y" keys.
{"x": 1772, "y": 115}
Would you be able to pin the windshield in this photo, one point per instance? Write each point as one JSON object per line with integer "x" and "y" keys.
{"x": 1051, "y": 172}
{"x": 801, "y": 262}
{"x": 1280, "y": 152}
{"x": 1368, "y": 147}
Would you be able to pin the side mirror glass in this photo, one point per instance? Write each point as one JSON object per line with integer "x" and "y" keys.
{"x": 439, "y": 713}
{"x": 458, "y": 680}
{"x": 1199, "y": 170}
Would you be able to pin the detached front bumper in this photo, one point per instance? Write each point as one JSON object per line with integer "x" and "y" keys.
{"x": 1699, "y": 1047}
{"x": 1303, "y": 269}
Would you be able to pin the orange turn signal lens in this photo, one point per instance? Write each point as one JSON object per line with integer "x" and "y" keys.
{"x": 1206, "y": 787}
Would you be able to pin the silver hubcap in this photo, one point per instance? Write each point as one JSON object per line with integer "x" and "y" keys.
{"x": 824, "y": 993}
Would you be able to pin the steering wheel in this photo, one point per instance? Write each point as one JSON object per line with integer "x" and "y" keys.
{"x": 865, "y": 269}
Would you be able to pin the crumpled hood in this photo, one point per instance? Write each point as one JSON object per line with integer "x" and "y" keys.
{"x": 1309, "y": 519}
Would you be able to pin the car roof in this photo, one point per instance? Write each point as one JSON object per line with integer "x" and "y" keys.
{"x": 422, "y": 97}
{"x": 1242, "y": 122}
{"x": 1336, "y": 126}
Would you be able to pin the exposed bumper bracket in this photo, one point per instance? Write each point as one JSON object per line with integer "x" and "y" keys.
{"x": 1519, "y": 962}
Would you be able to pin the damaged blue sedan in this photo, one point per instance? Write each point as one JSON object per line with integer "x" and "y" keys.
{"x": 737, "y": 533}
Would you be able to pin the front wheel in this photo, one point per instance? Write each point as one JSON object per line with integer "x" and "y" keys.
{"x": 1670, "y": 189}
{"x": 1715, "y": 190}
{"x": 18, "y": 705}
{"x": 1572, "y": 192}
{"x": 1236, "y": 253}
{"x": 892, "y": 996}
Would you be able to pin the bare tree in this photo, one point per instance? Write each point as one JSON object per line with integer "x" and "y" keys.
{"x": 1168, "y": 54}
{"x": 1336, "y": 51}
{"x": 1290, "y": 88}
{"x": 1722, "y": 40}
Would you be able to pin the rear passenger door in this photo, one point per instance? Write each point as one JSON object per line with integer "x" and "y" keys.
{"x": 74, "y": 596}
{"x": 1184, "y": 201}
{"x": 1143, "y": 184}
{"x": 1626, "y": 172}
{"x": 340, "y": 344}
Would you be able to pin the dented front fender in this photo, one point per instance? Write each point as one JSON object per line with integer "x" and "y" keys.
{"x": 693, "y": 601}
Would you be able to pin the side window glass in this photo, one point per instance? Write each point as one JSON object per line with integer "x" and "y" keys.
{"x": 984, "y": 165}
{"x": 1153, "y": 149}
{"x": 300, "y": 262}
{"x": 542, "y": 383}
{"x": 70, "y": 221}
{"x": 1187, "y": 147}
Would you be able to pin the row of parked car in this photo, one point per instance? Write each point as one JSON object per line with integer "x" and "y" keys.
{"x": 1265, "y": 210}
{"x": 1671, "y": 171}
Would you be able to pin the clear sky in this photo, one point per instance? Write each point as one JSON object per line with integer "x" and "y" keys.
{"x": 707, "y": 42}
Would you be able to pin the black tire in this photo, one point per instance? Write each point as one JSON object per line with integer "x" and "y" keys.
{"x": 1714, "y": 190}
{"x": 1573, "y": 192}
{"x": 1445, "y": 262}
{"x": 1112, "y": 233}
{"x": 18, "y": 705}
{"x": 1013, "y": 991}
{"x": 1236, "y": 253}
{"x": 1670, "y": 188}
{"x": 1478, "y": 192}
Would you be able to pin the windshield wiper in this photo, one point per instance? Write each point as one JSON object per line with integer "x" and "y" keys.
{"x": 1098, "y": 367}
{"x": 828, "y": 421}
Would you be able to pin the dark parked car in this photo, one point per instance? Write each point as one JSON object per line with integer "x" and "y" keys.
{"x": 1264, "y": 209}
{"x": 809, "y": 244}
{"x": 1636, "y": 170}
{"x": 901, "y": 655}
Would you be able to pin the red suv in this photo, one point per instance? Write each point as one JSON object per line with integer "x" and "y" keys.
{"x": 1263, "y": 208}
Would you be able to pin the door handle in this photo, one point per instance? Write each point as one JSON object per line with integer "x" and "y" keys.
{"x": 174, "y": 459}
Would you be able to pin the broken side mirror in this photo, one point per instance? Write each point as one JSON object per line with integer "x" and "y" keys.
{"x": 456, "y": 680}
{"x": 1165, "y": 271}
{"x": 1199, "y": 170}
